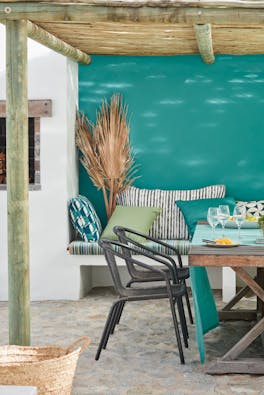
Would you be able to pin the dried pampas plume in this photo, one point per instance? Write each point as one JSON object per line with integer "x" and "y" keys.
{"x": 105, "y": 150}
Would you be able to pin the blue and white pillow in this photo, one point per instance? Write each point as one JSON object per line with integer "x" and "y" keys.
{"x": 84, "y": 219}
{"x": 254, "y": 207}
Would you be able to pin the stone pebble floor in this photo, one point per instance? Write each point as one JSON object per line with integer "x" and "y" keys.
{"x": 141, "y": 357}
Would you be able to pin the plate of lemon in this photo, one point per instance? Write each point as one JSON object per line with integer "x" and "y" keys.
{"x": 223, "y": 242}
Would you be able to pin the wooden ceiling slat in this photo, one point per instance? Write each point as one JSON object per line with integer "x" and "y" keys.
{"x": 157, "y": 39}
{"x": 146, "y": 27}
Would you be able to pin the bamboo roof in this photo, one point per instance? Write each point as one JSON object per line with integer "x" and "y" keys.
{"x": 148, "y": 27}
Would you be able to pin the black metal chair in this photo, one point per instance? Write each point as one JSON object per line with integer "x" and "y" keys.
{"x": 140, "y": 276}
{"x": 172, "y": 289}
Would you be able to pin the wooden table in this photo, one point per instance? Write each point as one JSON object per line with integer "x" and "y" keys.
{"x": 238, "y": 258}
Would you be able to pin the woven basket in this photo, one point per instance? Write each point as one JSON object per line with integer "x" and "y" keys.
{"x": 50, "y": 369}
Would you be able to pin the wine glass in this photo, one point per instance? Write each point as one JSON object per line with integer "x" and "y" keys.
{"x": 212, "y": 218}
{"x": 223, "y": 215}
{"x": 239, "y": 216}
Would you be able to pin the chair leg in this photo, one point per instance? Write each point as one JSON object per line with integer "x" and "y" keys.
{"x": 177, "y": 332}
{"x": 111, "y": 324}
{"x": 117, "y": 316}
{"x": 122, "y": 305}
{"x": 183, "y": 322}
{"x": 189, "y": 307}
{"x": 105, "y": 331}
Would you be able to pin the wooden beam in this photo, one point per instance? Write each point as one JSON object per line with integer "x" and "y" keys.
{"x": 17, "y": 182}
{"x": 243, "y": 343}
{"x": 236, "y": 315}
{"x": 256, "y": 288}
{"x": 177, "y": 12}
{"x": 204, "y": 40}
{"x": 36, "y": 108}
{"x": 246, "y": 366}
{"x": 151, "y": 3}
{"x": 49, "y": 40}
{"x": 43, "y": 37}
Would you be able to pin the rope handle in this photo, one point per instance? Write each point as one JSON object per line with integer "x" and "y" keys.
{"x": 85, "y": 340}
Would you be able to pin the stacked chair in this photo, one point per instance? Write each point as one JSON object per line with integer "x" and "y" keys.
{"x": 160, "y": 267}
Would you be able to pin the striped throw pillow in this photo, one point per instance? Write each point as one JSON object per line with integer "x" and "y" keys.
{"x": 84, "y": 219}
{"x": 170, "y": 224}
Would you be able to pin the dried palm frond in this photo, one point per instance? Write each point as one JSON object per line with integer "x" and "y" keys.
{"x": 106, "y": 152}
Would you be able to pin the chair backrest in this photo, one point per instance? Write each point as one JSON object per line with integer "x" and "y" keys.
{"x": 110, "y": 256}
{"x": 127, "y": 252}
{"x": 124, "y": 236}
{"x": 113, "y": 249}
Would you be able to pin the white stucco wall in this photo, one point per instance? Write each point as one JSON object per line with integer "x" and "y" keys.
{"x": 52, "y": 272}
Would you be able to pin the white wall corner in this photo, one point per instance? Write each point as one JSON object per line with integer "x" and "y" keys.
{"x": 72, "y": 106}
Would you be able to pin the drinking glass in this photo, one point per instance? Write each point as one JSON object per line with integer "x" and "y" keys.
{"x": 212, "y": 219}
{"x": 223, "y": 216}
{"x": 239, "y": 216}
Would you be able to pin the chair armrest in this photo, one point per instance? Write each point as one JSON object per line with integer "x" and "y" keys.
{"x": 120, "y": 232}
{"x": 171, "y": 268}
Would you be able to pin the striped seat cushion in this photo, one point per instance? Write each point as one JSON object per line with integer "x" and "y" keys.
{"x": 170, "y": 223}
{"x": 83, "y": 248}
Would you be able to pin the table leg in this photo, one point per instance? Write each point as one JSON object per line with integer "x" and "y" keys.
{"x": 228, "y": 363}
{"x": 260, "y": 281}
{"x": 228, "y": 314}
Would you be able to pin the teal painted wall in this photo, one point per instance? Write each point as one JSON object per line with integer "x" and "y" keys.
{"x": 191, "y": 124}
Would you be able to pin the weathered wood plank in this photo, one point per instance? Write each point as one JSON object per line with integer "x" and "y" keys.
{"x": 247, "y": 366}
{"x": 36, "y": 108}
{"x": 204, "y": 42}
{"x": 239, "y": 295}
{"x": 17, "y": 182}
{"x": 235, "y": 315}
{"x": 260, "y": 281}
{"x": 151, "y": 3}
{"x": 243, "y": 343}
{"x": 256, "y": 288}
{"x": 226, "y": 260}
{"x": 157, "y": 12}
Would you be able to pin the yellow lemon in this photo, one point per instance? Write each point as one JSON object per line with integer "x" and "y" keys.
{"x": 224, "y": 241}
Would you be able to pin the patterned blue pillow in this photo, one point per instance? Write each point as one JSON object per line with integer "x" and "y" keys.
{"x": 84, "y": 219}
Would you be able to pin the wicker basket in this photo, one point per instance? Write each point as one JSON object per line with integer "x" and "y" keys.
{"x": 50, "y": 369}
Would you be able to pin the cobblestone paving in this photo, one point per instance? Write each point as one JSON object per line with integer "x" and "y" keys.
{"x": 142, "y": 356}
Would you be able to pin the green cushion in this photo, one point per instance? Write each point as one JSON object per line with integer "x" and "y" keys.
{"x": 136, "y": 218}
{"x": 196, "y": 210}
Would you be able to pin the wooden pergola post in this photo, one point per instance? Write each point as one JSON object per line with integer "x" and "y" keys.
{"x": 17, "y": 181}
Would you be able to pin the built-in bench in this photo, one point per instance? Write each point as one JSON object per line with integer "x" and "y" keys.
{"x": 89, "y": 255}
{"x": 84, "y": 248}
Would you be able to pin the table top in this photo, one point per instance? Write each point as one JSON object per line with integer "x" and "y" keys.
{"x": 247, "y": 254}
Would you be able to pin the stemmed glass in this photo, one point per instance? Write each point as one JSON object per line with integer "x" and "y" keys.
{"x": 212, "y": 218}
{"x": 239, "y": 216}
{"x": 223, "y": 216}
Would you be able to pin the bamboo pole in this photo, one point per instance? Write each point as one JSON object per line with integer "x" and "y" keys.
{"x": 49, "y": 40}
{"x": 17, "y": 182}
{"x": 204, "y": 42}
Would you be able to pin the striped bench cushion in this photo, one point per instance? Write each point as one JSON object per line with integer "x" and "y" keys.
{"x": 170, "y": 223}
{"x": 84, "y": 248}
